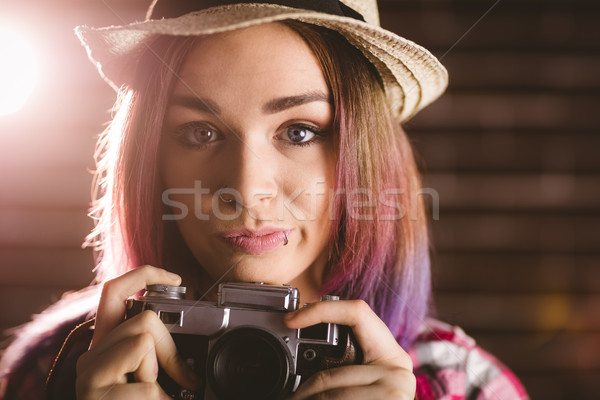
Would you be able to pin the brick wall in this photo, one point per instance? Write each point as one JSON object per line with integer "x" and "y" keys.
{"x": 512, "y": 150}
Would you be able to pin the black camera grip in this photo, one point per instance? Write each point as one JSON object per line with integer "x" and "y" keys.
{"x": 352, "y": 353}
{"x": 346, "y": 352}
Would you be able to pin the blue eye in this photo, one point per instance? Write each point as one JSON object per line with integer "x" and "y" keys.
{"x": 197, "y": 134}
{"x": 300, "y": 134}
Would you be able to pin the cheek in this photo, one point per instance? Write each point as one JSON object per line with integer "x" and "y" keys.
{"x": 185, "y": 182}
{"x": 308, "y": 192}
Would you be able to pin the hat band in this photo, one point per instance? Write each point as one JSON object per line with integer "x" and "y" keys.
{"x": 177, "y": 8}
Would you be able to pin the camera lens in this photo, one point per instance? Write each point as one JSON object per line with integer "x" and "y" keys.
{"x": 249, "y": 363}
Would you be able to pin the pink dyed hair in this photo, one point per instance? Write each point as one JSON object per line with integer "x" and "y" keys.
{"x": 383, "y": 261}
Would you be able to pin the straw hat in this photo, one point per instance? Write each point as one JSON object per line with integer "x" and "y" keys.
{"x": 412, "y": 76}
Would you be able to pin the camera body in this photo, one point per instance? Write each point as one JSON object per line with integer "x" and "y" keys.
{"x": 240, "y": 345}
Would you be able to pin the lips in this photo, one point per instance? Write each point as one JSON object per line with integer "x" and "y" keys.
{"x": 256, "y": 241}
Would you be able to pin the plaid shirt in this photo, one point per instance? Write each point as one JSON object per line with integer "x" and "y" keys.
{"x": 449, "y": 365}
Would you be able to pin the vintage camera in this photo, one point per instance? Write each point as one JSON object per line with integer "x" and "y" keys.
{"x": 240, "y": 344}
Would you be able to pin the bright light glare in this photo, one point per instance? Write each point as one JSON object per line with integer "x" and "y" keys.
{"x": 18, "y": 71}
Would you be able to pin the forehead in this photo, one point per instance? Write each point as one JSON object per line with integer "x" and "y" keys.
{"x": 263, "y": 60}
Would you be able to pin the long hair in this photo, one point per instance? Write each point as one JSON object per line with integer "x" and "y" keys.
{"x": 127, "y": 205}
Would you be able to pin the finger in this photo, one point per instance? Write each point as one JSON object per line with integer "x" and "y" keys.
{"x": 143, "y": 390}
{"x": 102, "y": 370}
{"x": 359, "y": 393}
{"x": 374, "y": 337}
{"x": 356, "y": 376}
{"x": 111, "y": 308}
{"x": 163, "y": 345}
{"x": 147, "y": 369}
{"x": 353, "y": 375}
{"x": 145, "y": 322}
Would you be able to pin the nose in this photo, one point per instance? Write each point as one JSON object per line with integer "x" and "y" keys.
{"x": 252, "y": 175}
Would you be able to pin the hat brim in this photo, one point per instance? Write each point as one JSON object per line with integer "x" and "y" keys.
{"x": 412, "y": 76}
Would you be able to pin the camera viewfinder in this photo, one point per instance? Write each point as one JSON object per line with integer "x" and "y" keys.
{"x": 168, "y": 317}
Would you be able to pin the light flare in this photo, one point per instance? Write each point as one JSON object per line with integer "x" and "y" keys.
{"x": 18, "y": 71}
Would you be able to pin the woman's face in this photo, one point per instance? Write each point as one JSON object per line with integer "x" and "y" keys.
{"x": 250, "y": 118}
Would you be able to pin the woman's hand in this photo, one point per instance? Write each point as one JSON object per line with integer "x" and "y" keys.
{"x": 137, "y": 345}
{"x": 387, "y": 369}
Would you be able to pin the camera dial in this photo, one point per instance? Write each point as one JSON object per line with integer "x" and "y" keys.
{"x": 165, "y": 292}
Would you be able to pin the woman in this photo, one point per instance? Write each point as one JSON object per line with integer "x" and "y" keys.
{"x": 261, "y": 143}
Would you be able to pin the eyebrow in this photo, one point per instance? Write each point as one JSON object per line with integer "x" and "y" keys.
{"x": 284, "y": 103}
{"x": 196, "y": 103}
{"x": 271, "y": 107}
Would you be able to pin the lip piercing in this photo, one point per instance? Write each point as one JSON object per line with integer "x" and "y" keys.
{"x": 286, "y": 239}
{"x": 223, "y": 199}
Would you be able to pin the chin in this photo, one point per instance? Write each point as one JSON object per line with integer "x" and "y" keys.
{"x": 259, "y": 274}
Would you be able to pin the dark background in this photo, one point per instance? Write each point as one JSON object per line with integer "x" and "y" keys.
{"x": 512, "y": 150}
